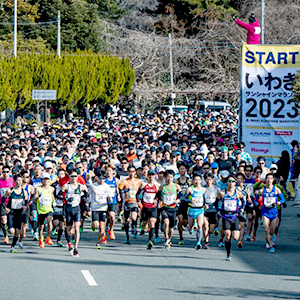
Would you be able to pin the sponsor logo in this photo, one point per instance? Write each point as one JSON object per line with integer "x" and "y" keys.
{"x": 264, "y": 151}
{"x": 260, "y": 143}
{"x": 284, "y": 133}
{"x": 260, "y": 134}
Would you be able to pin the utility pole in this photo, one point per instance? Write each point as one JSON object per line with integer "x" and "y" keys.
{"x": 58, "y": 35}
{"x": 262, "y": 22}
{"x": 15, "y": 26}
{"x": 171, "y": 68}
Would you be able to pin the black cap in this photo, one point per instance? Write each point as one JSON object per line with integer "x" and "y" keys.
{"x": 252, "y": 18}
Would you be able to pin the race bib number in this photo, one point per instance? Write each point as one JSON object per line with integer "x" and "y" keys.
{"x": 16, "y": 203}
{"x": 230, "y": 205}
{"x": 45, "y": 201}
{"x": 198, "y": 201}
{"x": 210, "y": 198}
{"x": 149, "y": 198}
{"x": 131, "y": 193}
{"x": 257, "y": 30}
{"x": 75, "y": 199}
{"x": 101, "y": 198}
{"x": 113, "y": 191}
{"x": 169, "y": 199}
{"x": 270, "y": 201}
{"x": 250, "y": 186}
{"x": 59, "y": 203}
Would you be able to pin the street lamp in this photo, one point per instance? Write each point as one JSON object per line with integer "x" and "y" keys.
{"x": 15, "y": 27}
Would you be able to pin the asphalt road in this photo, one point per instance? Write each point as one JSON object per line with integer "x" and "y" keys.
{"x": 132, "y": 272}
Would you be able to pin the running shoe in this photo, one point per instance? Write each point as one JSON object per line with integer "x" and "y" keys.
{"x": 80, "y": 229}
{"x": 206, "y": 246}
{"x": 248, "y": 237}
{"x": 149, "y": 245}
{"x": 198, "y": 245}
{"x": 272, "y": 250}
{"x": 240, "y": 244}
{"x": 191, "y": 231}
{"x": 273, "y": 239}
{"x": 104, "y": 240}
{"x": 157, "y": 240}
{"x": 20, "y": 245}
{"x": 127, "y": 242}
{"x": 70, "y": 248}
{"x": 216, "y": 232}
{"x": 111, "y": 235}
{"x": 221, "y": 244}
{"x": 92, "y": 227}
{"x": 48, "y": 241}
{"x": 75, "y": 253}
{"x": 53, "y": 232}
{"x": 32, "y": 232}
{"x": 41, "y": 243}
{"x": 228, "y": 258}
{"x": 36, "y": 236}
{"x": 98, "y": 246}
{"x": 13, "y": 250}
{"x": 254, "y": 237}
{"x": 268, "y": 246}
{"x": 167, "y": 246}
{"x": 134, "y": 230}
{"x": 181, "y": 242}
{"x": 142, "y": 231}
{"x": 6, "y": 240}
{"x": 119, "y": 218}
{"x": 59, "y": 244}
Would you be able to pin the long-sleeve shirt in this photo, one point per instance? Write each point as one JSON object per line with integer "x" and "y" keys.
{"x": 253, "y": 31}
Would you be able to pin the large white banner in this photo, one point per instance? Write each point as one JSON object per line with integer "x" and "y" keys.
{"x": 269, "y": 118}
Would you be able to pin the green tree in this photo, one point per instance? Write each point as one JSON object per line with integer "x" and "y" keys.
{"x": 82, "y": 77}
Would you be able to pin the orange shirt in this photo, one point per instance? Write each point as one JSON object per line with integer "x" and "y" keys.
{"x": 130, "y": 188}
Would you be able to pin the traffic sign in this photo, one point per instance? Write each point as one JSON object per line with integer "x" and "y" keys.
{"x": 43, "y": 94}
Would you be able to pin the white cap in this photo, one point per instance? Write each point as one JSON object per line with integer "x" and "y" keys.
{"x": 43, "y": 142}
{"x": 224, "y": 173}
{"x": 36, "y": 158}
{"x": 199, "y": 157}
{"x": 48, "y": 165}
{"x": 45, "y": 175}
{"x": 160, "y": 169}
{"x": 273, "y": 166}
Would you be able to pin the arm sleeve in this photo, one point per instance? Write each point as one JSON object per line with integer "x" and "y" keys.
{"x": 281, "y": 198}
{"x": 256, "y": 200}
{"x": 242, "y": 24}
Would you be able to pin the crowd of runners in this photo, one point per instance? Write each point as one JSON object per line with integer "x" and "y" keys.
{"x": 154, "y": 173}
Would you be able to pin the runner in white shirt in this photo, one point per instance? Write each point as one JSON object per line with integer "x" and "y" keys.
{"x": 100, "y": 195}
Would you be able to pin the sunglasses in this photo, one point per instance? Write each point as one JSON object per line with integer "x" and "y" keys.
{"x": 73, "y": 176}
{"x": 258, "y": 172}
{"x": 230, "y": 180}
{"x": 6, "y": 171}
{"x": 205, "y": 168}
{"x": 248, "y": 170}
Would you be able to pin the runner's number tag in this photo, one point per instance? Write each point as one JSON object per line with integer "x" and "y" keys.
{"x": 230, "y": 205}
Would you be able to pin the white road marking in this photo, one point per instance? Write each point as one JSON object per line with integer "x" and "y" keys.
{"x": 89, "y": 278}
